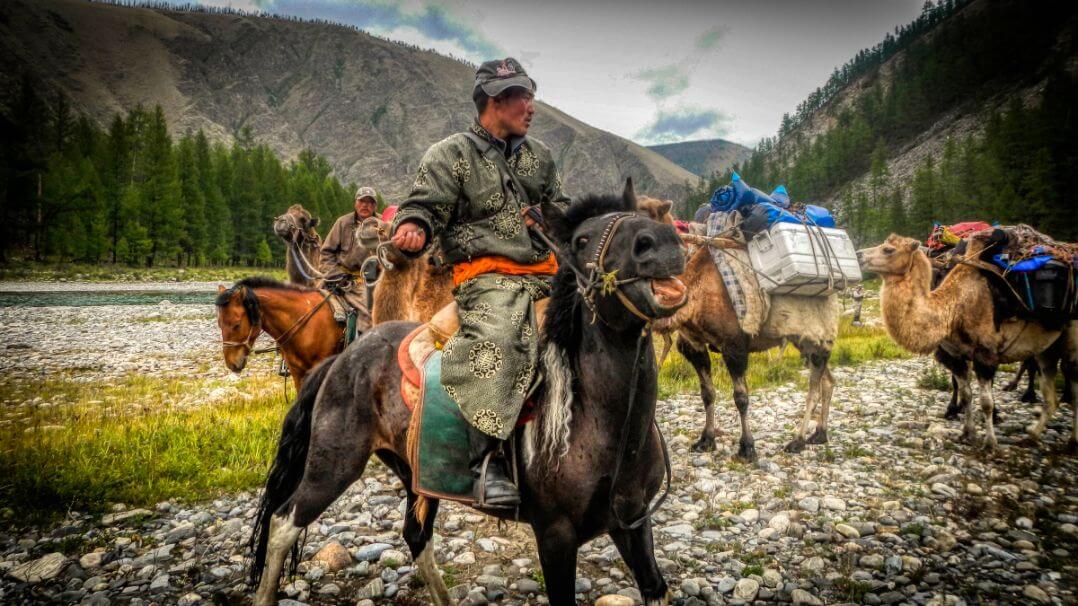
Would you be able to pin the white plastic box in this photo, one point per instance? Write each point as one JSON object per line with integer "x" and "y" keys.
{"x": 799, "y": 260}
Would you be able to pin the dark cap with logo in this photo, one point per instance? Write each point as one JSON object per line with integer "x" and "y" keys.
{"x": 496, "y": 76}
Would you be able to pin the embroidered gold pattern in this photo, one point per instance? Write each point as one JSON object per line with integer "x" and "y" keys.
{"x": 489, "y": 166}
{"x": 524, "y": 379}
{"x": 487, "y": 421}
{"x": 525, "y": 163}
{"x": 506, "y": 225}
{"x": 421, "y": 178}
{"x": 452, "y": 391}
{"x": 462, "y": 171}
{"x": 495, "y": 201}
{"x": 486, "y": 359}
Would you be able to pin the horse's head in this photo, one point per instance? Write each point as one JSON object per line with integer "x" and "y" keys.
{"x": 893, "y": 257}
{"x": 295, "y": 225}
{"x": 240, "y": 321}
{"x": 632, "y": 259}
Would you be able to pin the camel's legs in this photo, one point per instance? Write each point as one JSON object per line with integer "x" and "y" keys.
{"x": 1048, "y": 363}
{"x": 668, "y": 342}
{"x": 637, "y": 548}
{"x": 283, "y": 533}
{"x": 737, "y": 363}
{"x": 826, "y": 390}
{"x": 985, "y": 373}
{"x": 968, "y": 429}
{"x": 557, "y": 555}
{"x": 701, "y": 363}
{"x": 961, "y": 394}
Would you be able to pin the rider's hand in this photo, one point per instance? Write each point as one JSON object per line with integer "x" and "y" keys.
{"x": 409, "y": 237}
{"x": 529, "y": 213}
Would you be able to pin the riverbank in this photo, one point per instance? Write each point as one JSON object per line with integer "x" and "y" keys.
{"x": 32, "y": 271}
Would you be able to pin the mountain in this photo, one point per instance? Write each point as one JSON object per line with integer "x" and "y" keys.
{"x": 705, "y": 157}
{"x": 952, "y": 118}
{"x": 370, "y": 106}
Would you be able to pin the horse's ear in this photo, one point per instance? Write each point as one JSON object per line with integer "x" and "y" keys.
{"x": 664, "y": 208}
{"x": 629, "y": 195}
{"x": 221, "y": 289}
{"x": 555, "y": 221}
{"x": 314, "y": 221}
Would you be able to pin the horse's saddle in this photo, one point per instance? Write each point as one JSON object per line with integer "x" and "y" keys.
{"x": 438, "y": 432}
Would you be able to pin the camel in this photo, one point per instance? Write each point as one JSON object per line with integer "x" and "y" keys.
{"x": 959, "y": 317}
{"x": 411, "y": 289}
{"x": 302, "y": 242}
{"x": 708, "y": 322}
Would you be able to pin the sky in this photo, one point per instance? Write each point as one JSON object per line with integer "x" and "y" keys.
{"x": 652, "y": 72}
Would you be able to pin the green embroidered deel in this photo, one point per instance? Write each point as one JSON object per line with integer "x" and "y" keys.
{"x": 443, "y": 438}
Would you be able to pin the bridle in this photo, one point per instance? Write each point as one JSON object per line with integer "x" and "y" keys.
{"x": 256, "y": 329}
{"x": 300, "y": 237}
{"x": 600, "y": 281}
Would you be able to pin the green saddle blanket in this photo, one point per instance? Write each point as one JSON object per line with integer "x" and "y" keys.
{"x": 439, "y": 440}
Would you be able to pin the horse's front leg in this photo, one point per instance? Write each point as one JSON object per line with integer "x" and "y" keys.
{"x": 557, "y": 554}
{"x": 637, "y": 548}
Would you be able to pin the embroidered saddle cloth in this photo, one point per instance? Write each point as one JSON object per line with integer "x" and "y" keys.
{"x": 438, "y": 433}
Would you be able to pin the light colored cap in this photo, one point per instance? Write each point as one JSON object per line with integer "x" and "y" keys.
{"x": 366, "y": 192}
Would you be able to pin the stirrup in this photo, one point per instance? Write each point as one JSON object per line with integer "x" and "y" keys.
{"x": 481, "y": 483}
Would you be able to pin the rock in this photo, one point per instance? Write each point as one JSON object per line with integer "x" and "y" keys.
{"x": 809, "y": 504}
{"x": 813, "y": 566}
{"x": 527, "y": 586}
{"x": 329, "y": 589}
{"x": 892, "y": 565}
{"x": 911, "y": 564}
{"x": 333, "y": 557}
{"x": 465, "y": 558}
{"x": 374, "y": 589}
{"x": 847, "y": 531}
{"x": 800, "y": 596}
{"x": 944, "y": 490}
{"x": 42, "y": 569}
{"x": 392, "y": 558}
{"x": 974, "y": 489}
{"x": 833, "y": 503}
{"x": 749, "y": 516}
{"x": 1036, "y": 594}
{"x": 371, "y": 553}
{"x": 189, "y": 599}
{"x": 614, "y": 600}
{"x": 113, "y": 519}
{"x": 179, "y": 533}
{"x": 746, "y": 589}
{"x": 680, "y": 531}
{"x": 1024, "y": 523}
{"x": 690, "y": 587}
{"x": 92, "y": 559}
{"x": 780, "y": 522}
{"x": 160, "y": 583}
{"x": 726, "y": 584}
{"x": 772, "y": 578}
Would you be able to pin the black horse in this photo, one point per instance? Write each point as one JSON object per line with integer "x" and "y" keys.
{"x": 590, "y": 463}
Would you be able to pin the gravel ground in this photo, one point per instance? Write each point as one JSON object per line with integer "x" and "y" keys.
{"x": 895, "y": 510}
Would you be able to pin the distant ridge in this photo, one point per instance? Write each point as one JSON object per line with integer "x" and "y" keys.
{"x": 704, "y": 157}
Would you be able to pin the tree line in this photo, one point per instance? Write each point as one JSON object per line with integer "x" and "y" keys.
{"x": 72, "y": 191}
{"x": 1021, "y": 168}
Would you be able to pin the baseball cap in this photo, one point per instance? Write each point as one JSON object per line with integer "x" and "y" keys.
{"x": 497, "y": 75}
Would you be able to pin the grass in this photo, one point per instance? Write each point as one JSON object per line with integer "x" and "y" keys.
{"x": 934, "y": 378}
{"x": 137, "y": 441}
{"x": 106, "y": 272}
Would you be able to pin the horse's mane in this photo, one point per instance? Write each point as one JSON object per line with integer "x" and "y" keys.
{"x": 265, "y": 282}
{"x": 562, "y": 324}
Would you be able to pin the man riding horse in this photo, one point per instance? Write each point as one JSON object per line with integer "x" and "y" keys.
{"x": 474, "y": 191}
{"x": 351, "y": 241}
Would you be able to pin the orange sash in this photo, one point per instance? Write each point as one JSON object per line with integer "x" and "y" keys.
{"x": 466, "y": 270}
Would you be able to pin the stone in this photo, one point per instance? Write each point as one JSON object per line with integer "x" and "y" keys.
{"x": 179, "y": 533}
{"x": 746, "y": 589}
{"x": 813, "y": 566}
{"x": 1024, "y": 523}
{"x": 614, "y": 600}
{"x": 333, "y": 557}
{"x": 726, "y": 584}
{"x": 772, "y": 578}
{"x": 371, "y": 553}
{"x": 801, "y": 597}
{"x": 527, "y": 586}
{"x": 374, "y": 589}
{"x": 111, "y": 519}
{"x": 847, "y": 531}
{"x": 833, "y": 503}
{"x": 809, "y": 504}
{"x": 680, "y": 531}
{"x": 189, "y": 599}
{"x": 690, "y": 587}
{"x": 779, "y": 522}
{"x": 465, "y": 558}
{"x": 160, "y": 583}
{"x": 749, "y": 516}
{"x": 1036, "y": 594}
{"x": 92, "y": 559}
{"x": 42, "y": 569}
{"x": 329, "y": 589}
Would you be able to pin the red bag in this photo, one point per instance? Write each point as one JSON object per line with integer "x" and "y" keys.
{"x": 948, "y": 236}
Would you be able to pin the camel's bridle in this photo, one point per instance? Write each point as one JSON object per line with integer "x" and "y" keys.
{"x": 299, "y": 238}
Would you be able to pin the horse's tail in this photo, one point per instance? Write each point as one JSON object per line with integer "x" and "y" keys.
{"x": 287, "y": 470}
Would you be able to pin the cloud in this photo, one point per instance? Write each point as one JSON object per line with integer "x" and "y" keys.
{"x": 684, "y": 123}
{"x": 664, "y": 82}
{"x": 710, "y": 39}
{"x": 433, "y": 22}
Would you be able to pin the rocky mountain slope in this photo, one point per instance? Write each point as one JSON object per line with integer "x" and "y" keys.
{"x": 370, "y": 106}
{"x": 703, "y": 157}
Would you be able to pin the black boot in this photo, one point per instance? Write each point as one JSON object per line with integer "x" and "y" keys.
{"x": 492, "y": 488}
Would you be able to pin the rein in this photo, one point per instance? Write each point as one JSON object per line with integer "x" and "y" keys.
{"x": 600, "y": 281}
{"x": 285, "y": 337}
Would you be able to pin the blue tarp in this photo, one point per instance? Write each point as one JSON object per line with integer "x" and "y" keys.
{"x": 1030, "y": 264}
{"x": 739, "y": 196}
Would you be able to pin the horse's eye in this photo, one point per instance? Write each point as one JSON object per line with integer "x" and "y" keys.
{"x": 580, "y": 242}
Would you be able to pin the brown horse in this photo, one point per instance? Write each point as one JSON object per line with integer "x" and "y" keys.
{"x": 299, "y": 319}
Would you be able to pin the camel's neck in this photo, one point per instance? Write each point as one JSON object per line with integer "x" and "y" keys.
{"x": 917, "y": 317}
{"x": 296, "y": 274}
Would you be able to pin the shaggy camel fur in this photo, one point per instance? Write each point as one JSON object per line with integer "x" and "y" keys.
{"x": 708, "y": 322}
{"x": 959, "y": 317}
{"x": 296, "y": 228}
{"x": 412, "y": 290}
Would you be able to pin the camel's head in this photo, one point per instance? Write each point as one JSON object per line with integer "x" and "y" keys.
{"x": 893, "y": 257}
{"x": 295, "y": 225}
{"x": 655, "y": 209}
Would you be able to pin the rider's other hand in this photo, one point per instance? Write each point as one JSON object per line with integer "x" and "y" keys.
{"x": 409, "y": 237}
{"x": 529, "y": 214}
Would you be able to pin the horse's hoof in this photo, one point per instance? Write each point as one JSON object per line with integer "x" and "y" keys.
{"x": 746, "y": 454}
{"x": 817, "y": 437}
{"x": 1010, "y": 387}
{"x": 1029, "y": 398}
{"x": 989, "y": 446}
{"x": 966, "y": 437}
{"x": 795, "y": 446}
{"x": 951, "y": 414}
{"x": 704, "y": 445}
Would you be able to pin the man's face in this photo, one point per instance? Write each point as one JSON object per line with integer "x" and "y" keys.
{"x": 514, "y": 111}
{"x": 364, "y": 207}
